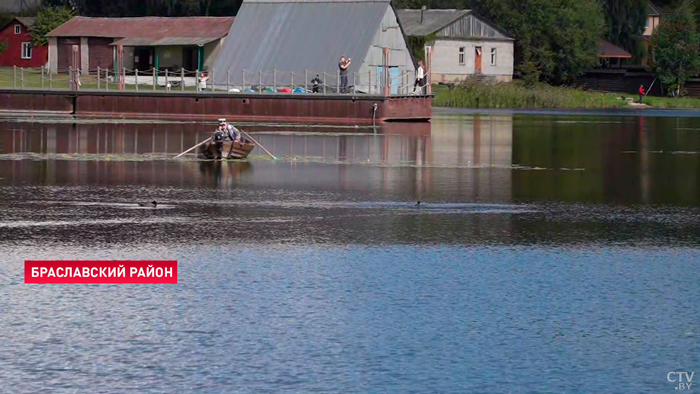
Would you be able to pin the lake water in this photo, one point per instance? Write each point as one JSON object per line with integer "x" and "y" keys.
{"x": 552, "y": 253}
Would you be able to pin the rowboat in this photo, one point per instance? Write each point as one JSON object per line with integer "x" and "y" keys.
{"x": 229, "y": 150}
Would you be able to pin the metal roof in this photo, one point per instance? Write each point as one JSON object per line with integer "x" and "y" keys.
{"x": 144, "y": 27}
{"x": 608, "y": 50}
{"x": 433, "y": 20}
{"x": 162, "y": 42}
{"x": 26, "y": 21}
{"x": 298, "y": 36}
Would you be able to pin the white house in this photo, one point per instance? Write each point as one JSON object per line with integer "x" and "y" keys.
{"x": 462, "y": 44}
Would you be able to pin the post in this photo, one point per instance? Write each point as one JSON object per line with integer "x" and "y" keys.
{"x": 14, "y": 76}
{"x": 42, "y": 77}
{"x": 99, "y": 76}
{"x": 354, "y": 80}
{"x": 136, "y": 79}
{"x": 228, "y": 81}
{"x": 306, "y": 81}
{"x": 243, "y": 81}
{"x": 274, "y": 80}
{"x": 211, "y": 78}
{"x": 107, "y": 80}
{"x": 50, "y": 80}
{"x": 196, "y": 79}
{"x": 70, "y": 77}
{"x": 291, "y": 80}
{"x": 337, "y": 82}
{"x": 155, "y": 80}
{"x": 260, "y": 85}
{"x": 369, "y": 81}
{"x": 21, "y": 77}
{"x": 182, "y": 79}
{"x": 324, "y": 82}
{"x": 155, "y": 77}
{"x": 166, "y": 80}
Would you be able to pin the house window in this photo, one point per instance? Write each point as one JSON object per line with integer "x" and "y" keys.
{"x": 461, "y": 56}
{"x": 26, "y": 50}
{"x": 18, "y": 29}
{"x": 493, "y": 56}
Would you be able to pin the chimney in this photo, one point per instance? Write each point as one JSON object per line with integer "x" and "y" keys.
{"x": 421, "y": 13}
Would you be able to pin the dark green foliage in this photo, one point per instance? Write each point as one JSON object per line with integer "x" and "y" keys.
{"x": 47, "y": 20}
{"x": 625, "y": 21}
{"x": 675, "y": 48}
{"x": 417, "y": 45}
{"x": 3, "y": 46}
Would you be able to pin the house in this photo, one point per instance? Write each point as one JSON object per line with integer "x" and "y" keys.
{"x": 612, "y": 56}
{"x": 19, "y": 50}
{"x": 463, "y": 44}
{"x": 271, "y": 39}
{"x": 653, "y": 21}
{"x": 191, "y": 43}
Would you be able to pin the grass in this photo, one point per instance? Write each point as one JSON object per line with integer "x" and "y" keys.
{"x": 516, "y": 95}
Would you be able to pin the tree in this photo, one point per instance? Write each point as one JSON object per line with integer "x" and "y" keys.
{"x": 554, "y": 40}
{"x": 47, "y": 20}
{"x": 625, "y": 21}
{"x": 3, "y": 46}
{"x": 675, "y": 47}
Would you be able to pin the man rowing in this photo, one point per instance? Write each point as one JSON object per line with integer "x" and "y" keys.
{"x": 229, "y": 130}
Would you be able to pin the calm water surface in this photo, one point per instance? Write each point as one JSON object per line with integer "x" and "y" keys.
{"x": 552, "y": 253}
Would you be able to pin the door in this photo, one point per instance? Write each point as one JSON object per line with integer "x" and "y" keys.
{"x": 142, "y": 59}
{"x": 65, "y": 52}
{"x": 477, "y": 60}
{"x": 101, "y": 53}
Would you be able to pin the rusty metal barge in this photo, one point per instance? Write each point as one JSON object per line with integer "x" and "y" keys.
{"x": 342, "y": 109}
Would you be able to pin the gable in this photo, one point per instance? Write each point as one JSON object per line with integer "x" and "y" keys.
{"x": 472, "y": 27}
{"x": 302, "y": 37}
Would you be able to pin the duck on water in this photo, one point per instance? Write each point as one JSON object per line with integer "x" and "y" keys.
{"x": 151, "y": 204}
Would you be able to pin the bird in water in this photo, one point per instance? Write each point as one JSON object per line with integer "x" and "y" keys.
{"x": 148, "y": 204}
{"x": 417, "y": 204}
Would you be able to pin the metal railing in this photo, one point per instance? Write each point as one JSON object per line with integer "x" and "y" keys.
{"x": 372, "y": 82}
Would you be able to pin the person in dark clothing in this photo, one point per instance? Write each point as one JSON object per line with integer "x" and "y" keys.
{"x": 316, "y": 84}
{"x": 343, "y": 65}
{"x": 641, "y": 93}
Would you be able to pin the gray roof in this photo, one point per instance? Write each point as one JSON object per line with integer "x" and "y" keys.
{"x": 297, "y": 36}
{"x": 433, "y": 20}
{"x": 26, "y": 21}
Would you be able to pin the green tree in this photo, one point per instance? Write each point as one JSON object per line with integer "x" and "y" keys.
{"x": 554, "y": 40}
{"x": 675, "y": 48}
{"x": 47, "y": 20}
{"x": 3, "y": 46}
{"x": 625, "y": 21}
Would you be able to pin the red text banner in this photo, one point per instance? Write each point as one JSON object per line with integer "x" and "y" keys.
{"x": 87, "y": 271}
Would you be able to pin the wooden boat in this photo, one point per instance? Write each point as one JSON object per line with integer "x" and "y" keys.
{"x": 229, "y": 150}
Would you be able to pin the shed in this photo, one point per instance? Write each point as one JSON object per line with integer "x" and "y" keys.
{"x": 273, "y": 41}
{"x": 149, "y": 42}
{"x": 459, "y": 42}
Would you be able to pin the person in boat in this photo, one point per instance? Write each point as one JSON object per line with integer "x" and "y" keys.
{"x": 219, "y": 137}
{"x": 229, "y": 130}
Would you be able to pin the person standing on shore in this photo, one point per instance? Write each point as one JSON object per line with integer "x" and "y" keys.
{"x": 641, "y": 93}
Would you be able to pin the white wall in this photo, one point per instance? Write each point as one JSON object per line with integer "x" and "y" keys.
{"x": 53, "y": 54}
{"x": 84, "y": 56}
{"x": 388, "y": 35}
{"x": 445, "y": 60}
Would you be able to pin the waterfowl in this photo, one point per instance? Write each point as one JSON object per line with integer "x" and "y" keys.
{"x": 417, "y": 204}
{"x": 148, "y": 204}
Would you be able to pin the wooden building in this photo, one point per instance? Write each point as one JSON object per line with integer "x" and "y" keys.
{"x": 464, "y": 45}
{"x": 19, "y": 51}
{"x": 191, "y": 43}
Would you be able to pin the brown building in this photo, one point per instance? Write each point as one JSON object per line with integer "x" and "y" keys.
{"x": 191, "y": 43}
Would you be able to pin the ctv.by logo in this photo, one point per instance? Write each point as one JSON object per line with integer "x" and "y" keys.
{"x": 683, "y": 378}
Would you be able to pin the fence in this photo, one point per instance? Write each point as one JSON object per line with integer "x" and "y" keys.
{"x": 373, "y": 82}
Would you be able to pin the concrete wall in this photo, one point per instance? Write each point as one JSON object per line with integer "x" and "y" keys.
{"x": 211, "y": 51}
{"x": 53, "y": 54}
{"x": 388, "y": 35}
{"x": 84, "y": 55}
{"x": 446, "y": 66}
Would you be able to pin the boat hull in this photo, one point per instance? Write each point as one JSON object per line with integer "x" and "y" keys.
{"x": 226, "y": 150}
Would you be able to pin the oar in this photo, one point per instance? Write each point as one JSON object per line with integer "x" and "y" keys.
{"x": 257, "y": 143}
{"x": 207, "y": 140}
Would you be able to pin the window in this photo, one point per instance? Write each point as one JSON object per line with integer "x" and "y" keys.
{"x": 18, "y": 29}
{"x": 26, "y": 50}
{"x": 461, "y": 56}
{"x": 646, "y": 25}
{"x": 493, "y": 56}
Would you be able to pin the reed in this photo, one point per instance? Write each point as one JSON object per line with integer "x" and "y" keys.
{"x": 516, "y": 95}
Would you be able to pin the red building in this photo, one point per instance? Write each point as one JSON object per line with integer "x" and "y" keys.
{"x": 19, "y": 51}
